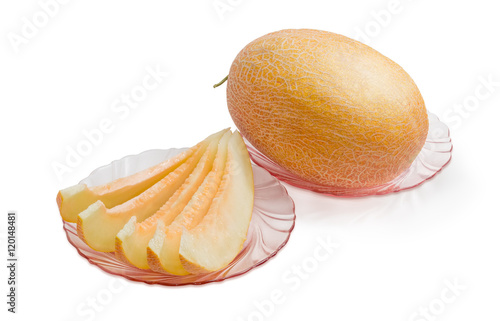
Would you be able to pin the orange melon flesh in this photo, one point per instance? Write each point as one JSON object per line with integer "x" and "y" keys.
{"x": 219, "y": 237}
{"x": 98, "y": 226}
{"x": 75, "y": 199}
{"x": 163, "y": 249}
{"x": 131, "y": 242}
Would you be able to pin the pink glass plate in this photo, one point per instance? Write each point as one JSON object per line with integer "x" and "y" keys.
{"x": 273, "y": 219}
{"x": 433, "y": 157}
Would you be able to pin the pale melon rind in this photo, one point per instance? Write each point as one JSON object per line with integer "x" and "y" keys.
{"x": 75, "y": 199}
{"x": 218, "y": 239}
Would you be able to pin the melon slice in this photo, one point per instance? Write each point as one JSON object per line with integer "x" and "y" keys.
{"x": 163, "y": 249}
{"x": 131, "y": 242}
{"x": 98, "y": 225}
{"x": 219, "y": 237}
{"x": 75, "y": 199}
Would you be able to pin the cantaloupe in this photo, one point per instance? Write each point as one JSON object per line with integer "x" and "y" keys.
{"x": 131, "y": 242}
{"x": 163, "y": 249}
{"x": 75, "y": 199}
{"x": 219, "y": 237}
{"x": 327, "y": 108}
{"x": 98, "y": 225}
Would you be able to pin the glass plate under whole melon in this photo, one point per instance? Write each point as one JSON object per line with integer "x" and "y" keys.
{"x": 433, "y": 157}
{"x": 273, "y": 219}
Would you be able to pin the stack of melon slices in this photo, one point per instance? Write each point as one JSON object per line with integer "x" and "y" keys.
{"x": 188, "y": 214}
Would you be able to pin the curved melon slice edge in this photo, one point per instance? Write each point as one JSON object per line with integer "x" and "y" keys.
{"x": 218, "y": 239}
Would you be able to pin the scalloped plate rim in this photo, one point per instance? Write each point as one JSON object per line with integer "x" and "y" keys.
{"x": 352, "y": 193}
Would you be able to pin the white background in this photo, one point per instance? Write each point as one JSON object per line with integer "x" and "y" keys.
{"x": 397, "y": 252}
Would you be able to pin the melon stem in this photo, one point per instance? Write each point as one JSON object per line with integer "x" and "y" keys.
{"x": 221, "y": 82}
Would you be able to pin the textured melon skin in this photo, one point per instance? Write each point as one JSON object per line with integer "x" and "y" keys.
{"x": 327, "y": 108}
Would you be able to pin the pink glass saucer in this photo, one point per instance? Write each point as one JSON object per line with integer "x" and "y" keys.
{"x": 273, "y": 220}
{"x": 433, "y": 157}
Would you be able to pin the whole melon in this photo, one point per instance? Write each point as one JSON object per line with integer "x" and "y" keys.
{"x": 327, "y": 108}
